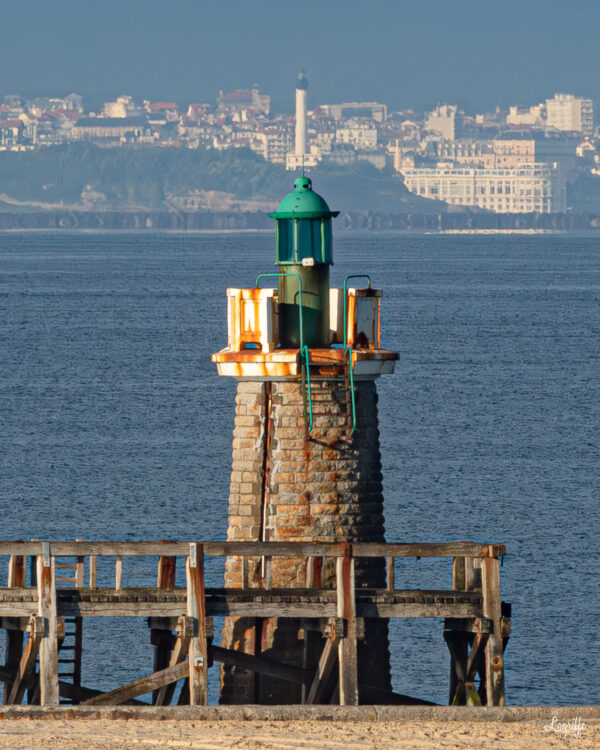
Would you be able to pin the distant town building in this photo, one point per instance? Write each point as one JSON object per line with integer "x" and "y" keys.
{"x": 244, "y": 99}
{"x": 361, "y": 135}
{"x": 570, "y": 113}
{"x": 371, "y": 110}
{"x": 124, "y": 106}
{"x": 10, "y": 131}
{"x": 444, "y": 121}
{"x": 108, "y": 127}
{"x": 524, "y": 189}
{"x": 528, "y": 116}
{"x": 72, "y": 102}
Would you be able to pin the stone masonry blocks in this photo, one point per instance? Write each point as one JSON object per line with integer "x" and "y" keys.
{"x": 287, "y": 487}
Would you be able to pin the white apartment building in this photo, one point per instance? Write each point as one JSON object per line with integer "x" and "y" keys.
{"x": 442, "y": 120}
{"x": 124, "y": 106}
{"x": 524, "y": 189}
{"x": 358, "y": 134}
{"x": 526, "y": 115}
{"x": 570, "y": 113}
{"x": 369, "y": 110}
{"x": 278, "y": 143}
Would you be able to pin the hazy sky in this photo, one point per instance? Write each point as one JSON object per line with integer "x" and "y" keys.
{"x": 406, "y": 53}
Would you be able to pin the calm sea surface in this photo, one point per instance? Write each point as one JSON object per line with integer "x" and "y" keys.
{"x": 114, "y": 424}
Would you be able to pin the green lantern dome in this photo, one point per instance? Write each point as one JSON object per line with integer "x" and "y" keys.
{"x": 303, "y": 203}
{"x": 303, "y": 226}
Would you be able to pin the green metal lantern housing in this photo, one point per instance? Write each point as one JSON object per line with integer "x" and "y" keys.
{"x": 303, "y": 252}
{"x": 303, "y": 226}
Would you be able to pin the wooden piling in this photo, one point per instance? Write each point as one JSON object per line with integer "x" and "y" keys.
{"x": 347, "y": 649}
{"x": 196, "y": 608}
{"x": 494, "y": 652}
{"x": 48, "y": 649}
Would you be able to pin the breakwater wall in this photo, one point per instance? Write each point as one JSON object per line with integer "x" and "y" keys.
{"x": 258, "y": 220}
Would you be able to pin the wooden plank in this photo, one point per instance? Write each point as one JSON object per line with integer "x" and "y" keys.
{"x": 114, "y": 609}
{"x": 27, "y": 662}
{"x": 492, "y": 608}
{"x": 221, "y": 606}
{"x": 469, "y": 573}
{"x": 93, "y": 571}
{"x": 458, "y": 573}
{"x": 310, "y": 572}
{"x": 244, "y": 564}
{"x": 166, "y": 572}
{"x": 18, "y": 610}
{"x": 347, "y": 647}
{"x": 77, "y": 693}
{"x": 267, "y": 571}
{"x": 139, "y": 687}
{"x": 261, "y": 665}
{"x": 119, "y": 572}
{"x": 428, "y": 549}
{"x": 276, "y": 549}
{"x": 391, "y": 574}
{"x": 325, "y": 667}
{"x": 19, "y": 548}
{"x": 15, "y": 623}
{"x": 469, "y": 624}
{"x": 257, "y": 549}
{"x": 196, "y": 608}
{"x": 17, "y": 571}
{"x": 48, "y": 650}
{"x": 401, "y": 610}
{"x": 111, "y": 549}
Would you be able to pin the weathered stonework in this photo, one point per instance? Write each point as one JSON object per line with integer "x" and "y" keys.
{"x": 287, "y": 487}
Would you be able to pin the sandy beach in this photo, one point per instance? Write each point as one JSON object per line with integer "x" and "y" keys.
{"x": 62, "y": 731}
{"x": 105, "y": 734}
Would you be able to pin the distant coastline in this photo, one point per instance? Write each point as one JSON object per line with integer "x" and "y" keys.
{"x": 223, "y": 221}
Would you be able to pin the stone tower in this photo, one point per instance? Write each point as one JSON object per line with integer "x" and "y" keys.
{"x": 306, "y": 462}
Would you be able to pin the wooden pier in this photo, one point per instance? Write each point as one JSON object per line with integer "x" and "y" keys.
{"x": 52, "y": 587}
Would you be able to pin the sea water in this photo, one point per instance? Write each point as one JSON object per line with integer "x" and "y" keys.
{"x": 115, "y": 425}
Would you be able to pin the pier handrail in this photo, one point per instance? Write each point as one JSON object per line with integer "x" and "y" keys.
{"x": 277, "y": 549}
{"x": 331, "y": 600}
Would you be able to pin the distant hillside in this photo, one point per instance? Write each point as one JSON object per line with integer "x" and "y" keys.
{"x": 584, "y": 193}
{"x": 84, "y": 175}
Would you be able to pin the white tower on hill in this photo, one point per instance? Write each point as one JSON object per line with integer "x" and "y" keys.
{"x": 301, "y": 86}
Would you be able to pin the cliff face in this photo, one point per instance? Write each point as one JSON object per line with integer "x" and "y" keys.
{"x": 83, "y": 176}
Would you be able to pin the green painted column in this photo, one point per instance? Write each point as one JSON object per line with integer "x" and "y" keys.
{"x": 315, "y": 306}
{"x": 303, "y": 252}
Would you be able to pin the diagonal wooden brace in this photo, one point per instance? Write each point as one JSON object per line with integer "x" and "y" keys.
{"x": 36, "y": 630}
{"x": 185, "y": 631}
{"x": 326, "y": 664}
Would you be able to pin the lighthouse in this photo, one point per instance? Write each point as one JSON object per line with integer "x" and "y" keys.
{"x": 306, "y": 464}
{"x": 301, "y": 87}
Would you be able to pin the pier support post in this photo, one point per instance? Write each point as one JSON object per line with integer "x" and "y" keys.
{"x": 196, "y": 608}
{"x": 46, "y": 590}
{"x": 494, "y": 652}
{"x": 346, "y": 608}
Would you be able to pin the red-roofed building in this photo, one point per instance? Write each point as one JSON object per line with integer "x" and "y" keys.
{"x": 10, "y": 131}
{"x": 160, "y": 106}
{"x": 244, "y": 99}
